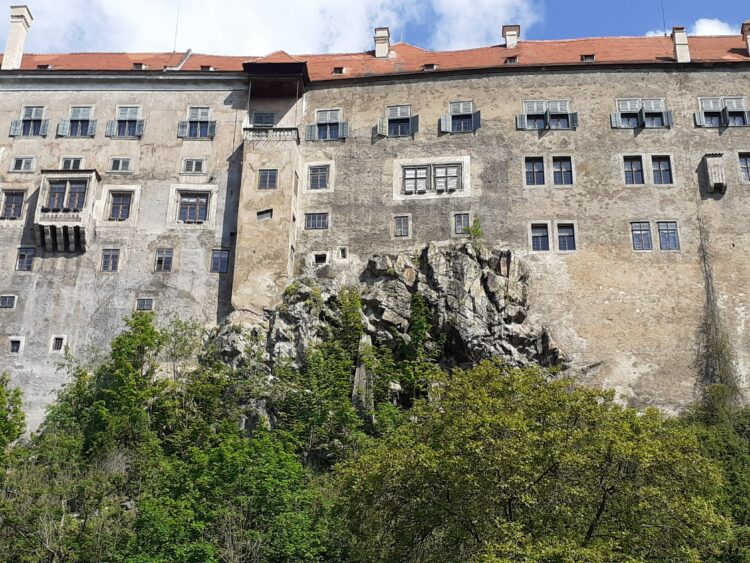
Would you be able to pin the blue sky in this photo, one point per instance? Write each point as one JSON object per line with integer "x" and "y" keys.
{"x": 256, "y": 27}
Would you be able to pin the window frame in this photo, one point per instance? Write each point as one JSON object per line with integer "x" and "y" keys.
{"x": 67, "y": 193}
{"x": 35, "y": 123}
{"x": 13, "y": 161}
{"x": 223, "y": 261}
{"x": 263, "y": 125}
{"x": 395, "y": 226}
{"x": 563, "y": 158}
{"x": 632, "y": 157}
{"x": 543, "y": 115}
{"x": 632, "y": 233}
{"x": 116, "y": 193}
{"x": 184, "y": 167}
{"x": 21, "y": 344}
{"x": 742, "y": 169}
{"x": 642, "y": 110}
{"x": 329, "y": 176}
{"x": 198, "y": 124}
{"x": 121, "y": 159}
{"x": 576, "y": 244}
{"x": 534, "y": 160}
{"x": 53, "y": 340}
{"x": 76, "y": 128}
{"x": 549, "y": 233}
{"x": 307, "y": 225}
{"x": 110, "y": 262}
{"x": 669, "y": 160}
{"x": 454, "y": 225}
{"x": 183, "y": 194}
{"x": 328, "y": 124}
{"x": 5, "y": 297}
{"x": 21, "y": 210}
{"x": 678, "y": 236}
{"x": 72, "y": 159}
{"x": 140, "y": 309}
{"x": 165, "y": 259}
{"x": 29, "y": 253}
{"x": 268, "y": 179}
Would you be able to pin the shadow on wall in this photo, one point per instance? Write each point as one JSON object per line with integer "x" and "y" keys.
{"x": 229, "y": 230}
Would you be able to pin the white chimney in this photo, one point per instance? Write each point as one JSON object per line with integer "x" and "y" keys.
{"x": 511, "y": 34}
{"x": 681, "y": 47}
{"x": 382, "y": 42}
{"x": 20, "y": 22}
{"x": 746, "y": 34}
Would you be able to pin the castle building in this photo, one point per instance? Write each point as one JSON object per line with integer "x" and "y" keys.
{"x": 197, "y": 186}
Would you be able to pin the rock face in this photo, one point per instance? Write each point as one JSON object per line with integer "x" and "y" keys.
{"x": 478, "y": 298}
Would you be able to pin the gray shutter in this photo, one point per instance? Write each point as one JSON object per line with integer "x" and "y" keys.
{"x": 476, "y": 121}
{"x": 63, "y": 128}
{"x": 747, "y": 118}
{"x": 642, "y": 117}
{"x": 139, "y": 125}
{"x": 92, "y": 128}
{"x": 445, "y": 123}
{"x": 668, "y": 119}
{"x": 616, "y": 120}
{"x": 16, "y": 126}
{"x": 212, "y": 129}
{"x": 44, "y": 127}
{"x": 343, "y": 129}
{"x": 725, "y": 117}
{"x": 310, "y": 133}
{"x": 414, "y": 124}
{"x": 111, "y": 128}
{"x": 382, "y": 126}
{"x": 700, "y": 119}
{"x": 573, "y": 120}
{"x": 521, "y": 121}
{"x": 182, "y": 129}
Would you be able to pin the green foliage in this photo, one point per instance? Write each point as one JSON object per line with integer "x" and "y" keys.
{"x": 349, "y": 332}
{"x": 475, "y": 232}
{"x": 12, "y": 419}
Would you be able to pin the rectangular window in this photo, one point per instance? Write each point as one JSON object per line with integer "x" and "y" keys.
{"x": 164, "y": 258}
{"x": 662, "y": 169}
{"x": 264, "y": 215}
{"x": 219, "y": 261}
{"x": 193, "y": 207}
{"x": 668, "y": 236}
{"x": 462, "y": 117}
{"x": 633, "y": 113}
{"x": 267, "y": 179}
{"x": 316, "y": 221}
{"x": 15, "y": 346}
{"x": 76, "y": 194}
{"x": 32, "y": 122}
{"x": 75, "y": 190}
{"x": 81, "y": 124}
{"x": 547, "y": 114}
{"x": 22, "y": 164}
{"x": 566, "y": 237}
{"x": 633, "y": 170}
{"x": 539, "y": 237}
{"x": 193, "y": 166}
{"x": 460, "y": 223}
{"x": 198, "y": 125}
{"x": 57, "y": 192}
{"x": 447, "y": 178}
{"x": 7, "y": 301}
{"x": 127, "y": 124}
{"x": 319, "y": 177}
{"x": 745, "y": 167}
{"x": 120, "y": 165}
{"x": 144, "y": 304}
{"x": 534, "y": 171}
{"x": 70, "y": 163}
{"x": 723, "y": 112}
{"x": 12, "y": 204}
{"x": 401, "y": 226}
{"x": 110, "y": 259}
{"x": 25, "y": 259}
{"x": 641, "y": 232}
{"x": 399, "y": 121}
{"x": 328, "y": 124}
{"x": 416, "y": 179}
{"x": 263, "y": 119}
{"x": 58, "y": 343}
{"x": 562, "y": 167}
{"x": 120, "y": 207}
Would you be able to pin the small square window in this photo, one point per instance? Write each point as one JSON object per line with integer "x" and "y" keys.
{"x": 263, "y": 119}
{"x": 219, "y": 261}
{"x": 401, "y": 226}
{"x": 316, "y": 221}
{"x": 7, "y": 301}
{"x": 562, "y": 167}
{"x": 319, "y": 177}
{"x": 588, "y": 58}
{"x": 164, "y": 258}
{"x": 511, "y": 60}
{"x": 338, "y": 70}
{"x": 430, "y": 66}
{"x": 144, "y": 304}
{"x": 343, "y": 252}
{"x": 461, "y": 223}
{"x": 194, "y": 166}
{"x": 23, "y": 164}
{"x": 320, "y": 258}
{"x": 25, "y": 259}
{"x": 110, "y": 259}
{"x": 641, "y": 233}
{"x": 669, "y": 238}
{"x": 15, "y": 345}
{"x": 267, "y": 179}
{"x": 539, "y": 237}
{"x": 58, "y": 344}
{"x": 566, "y": 237}
{"x": 120, "y": 165}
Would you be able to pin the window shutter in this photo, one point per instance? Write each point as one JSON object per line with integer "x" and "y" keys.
{"x": 653, "y": 105}
{"x": 616, "y": 120}
{"x": 15, "y": 127}
{"x": 642, "y": 117}
{"x": 734, "y": 104}
{"x": 476, "y": 121}
{"x": 725, "y": 117}
{"x": 44, "y": 127}
{"x": 182, "y": 129}
{"x": 700, "y": 119}
{"x": 399, "y": 112}
{"x": 139, "y": 128}
{"x": 310, "y": 133}
{"x": 521, "y": 122}
{"x": 414, "y": 124}
{"x": 382, "y": 126}
{"x": 558, "y": 106}
{"x": 668, "y": 119}
{"x": 711, "y": 104}
{"x": 111, "y": 128}
{"x": 63, "y": 128}
{"x": 393, "y": 112}
{"x": 92, "y": 128}
{"x": 343, "y": 129}
{"x": 445, "y": 123}
{"x": 534, "y": 107}
{"x": 628, "y": 105}
{"x": 211, "y": 129}
{"x": 573, "y": 120}
{"x": 747, "y": 118}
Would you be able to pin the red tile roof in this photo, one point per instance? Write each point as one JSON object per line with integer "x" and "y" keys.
{"x": 406, "y": 58}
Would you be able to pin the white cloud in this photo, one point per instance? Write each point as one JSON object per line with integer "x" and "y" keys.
{"x": 704, "y": 26}
{"x": 246, "y": 27}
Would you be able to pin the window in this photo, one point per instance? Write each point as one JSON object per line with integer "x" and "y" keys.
{"x": 745, "y": 167}
{"x": 401, "y": 226}
{"x": 436, "y": 178}
{"x": 198, "y": 125}
{"x": 80, "y": 123}
{"x": 316, "y": 221}
{"x": 447, "y": 178}
{"x": 634, "y": 170}
{"x": 416, "y": 179}
{"x": 267, "y": 179}
{"x": 430, "y": 66}
{"x": 164, "y": 259}
{"x": 461, "y": 118}
{"x": 722, "y": 112}
{"x": 23, "y": 164}
{"x": 650, "y": 113}
{"x": 662, "y": 169}
{"x": 327, "y": 127}
{"x": 511, "y": 60}
{"x": 12, "y": 204}
{"x": 265, "y": 215}
{"x": 319, "y": 177}
{"x": 343, "y": 252}
{"x": 641, "y": 232}
{"x": 66, "y": 195}
{"x": 539, "y": 237}
{"x": 460, "y": 223}
{"x": 31, "y": 124}
{"x": 15, "y": 346}
{"x": 25, "y": 259}
{"x": 120, "y": 165}
{"x": 668, "y": 237}
{"x": 562, "y": 168}
{"x": 219, "y": 261}
{"x": 552, "y": 114}
{"x": 338, "y": 70}
{"x": 588, "y": 58}
{"x": 566, "y": 237}
{"x": 193, "y": 207}
{"x": 7, "y": 301}
{"x": 144, "y": 304}
{"x": 399, "y": 121}
{"x": 534, "y": 171}
{"x": 70, "y": 163}
{"x": 58, "y": 344}
{"x": 139, "y": 66}
{"x": 193, "y": 166}
{"x": 110, "y": 259}
{"x": 263, "y": 119}
{"x": 320, "y": 258}
{"x": 120, "y": 206}
{"x": 127, "y": 124}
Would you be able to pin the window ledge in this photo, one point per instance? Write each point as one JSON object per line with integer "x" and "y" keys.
{"x": 21, "y": 171}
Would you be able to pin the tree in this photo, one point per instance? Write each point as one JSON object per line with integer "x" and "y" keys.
{"x": 500, "y": 464}
{"x": 12, "y": 420}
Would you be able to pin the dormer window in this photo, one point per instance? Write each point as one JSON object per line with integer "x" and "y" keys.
{"x": 430, "y": 66}
{"x": 44, "y": 67}
{"x": 511, "y": 60}
{"x": 207, "y": 68}
{"x": 398, "y": 122}
{"x": 723, "y": 112}
{"x": 338, "y": 70}
{"x": 649, "y": 113}
{"x": 552, "y": 114}
{"x": 139, "y": 66}
{"x": 588, "y": 58}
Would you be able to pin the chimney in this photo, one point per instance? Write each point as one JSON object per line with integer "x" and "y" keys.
{"x": 382, "y": 42}
{"x": 681, "y": 47}
{"x": 20, "y": 22}
{"x": 511, "y": 34}
{"x": 746, "y": 34}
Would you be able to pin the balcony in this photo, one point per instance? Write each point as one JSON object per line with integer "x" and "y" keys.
{"x": 254, "y": 134}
